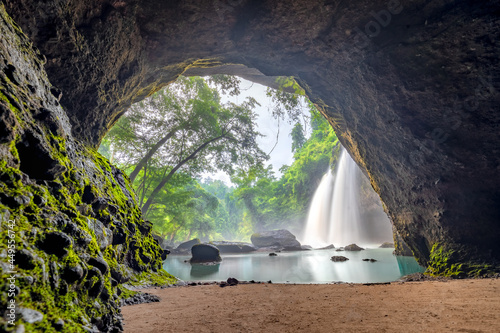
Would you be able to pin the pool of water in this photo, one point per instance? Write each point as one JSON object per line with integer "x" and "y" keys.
{"x": 298, "y": 267}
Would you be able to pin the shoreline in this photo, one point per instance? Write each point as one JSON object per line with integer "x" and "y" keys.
{"x": 437, "y": 305}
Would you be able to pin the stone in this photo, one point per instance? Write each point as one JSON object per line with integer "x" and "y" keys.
{"x": 234, "y": 247}
{"x": 186, "y": 246}
{"x": 387, "y": 245}
{"x": 328, "y": 247}
{"x": 30, "y": 316}
{"x": 56, "y": 243}
{"x": 25, "y": 259}
{"x": 58, "y": 324}
{"x": 272, "y": 254}
{"x": 370, "y": 260}
{"x": 276, "y": 238}
{"x": 100, "y": 264}
{"x": 232, "y": 281}
{"x": 204, "y": 253}
{"x": 339, "y": 258}
{"x": 353, "y": 247}
{"x": 73, "y": 274}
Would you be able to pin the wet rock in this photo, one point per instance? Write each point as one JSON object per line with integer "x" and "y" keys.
{"x": 234, "y": 247}
{"x": 339, "y": 258}
{"x": 232, "y": 281}
{"x": 121, "y": 273}
{"x": 272, "y": 254}
{"x": 164, "y": 254}
{"x": 203, "y": 253}
{"x": 58, "y": 324}
{"x": 370, "y": 260}
{"x": 186, "y": 246}
{"x": 30, "y": 316}
{"x": 94, "y": 287}
{"x": 25, "y": 259}
{"x": 119, "y": 236}
{"x": 100, "y": 264}
{"x": 280, "y": 238}
{"x": 353, "y": 247}
{"x": 145, "y": 227}
{"x": 140, "y": 298}
{"x": 56, "y": 243}
{"x": 386, "y": 245}
{"x": 73, "y": 274}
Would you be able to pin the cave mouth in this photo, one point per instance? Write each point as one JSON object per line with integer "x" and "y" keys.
{"x": 295, "y": 148}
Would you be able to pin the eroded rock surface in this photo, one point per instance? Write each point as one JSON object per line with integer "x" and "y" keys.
{"x": 77, "y": 231}
{"x": 411, "y": 88}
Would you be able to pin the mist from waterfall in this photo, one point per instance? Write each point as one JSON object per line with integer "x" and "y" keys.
{"x": 334, "y": 215}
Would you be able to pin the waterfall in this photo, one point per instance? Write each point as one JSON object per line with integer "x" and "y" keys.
{"x": 316, "y": 231}
{"x": 334, "y": 214}
{"x": 345, "y": 223}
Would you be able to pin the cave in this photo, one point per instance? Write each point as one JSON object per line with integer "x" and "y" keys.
{"x": 411, "y": 89}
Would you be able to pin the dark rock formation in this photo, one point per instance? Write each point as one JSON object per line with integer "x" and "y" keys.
{"x": 186, "y": 246}
{"x": 370, "y": 260}
{"x": 386, "y": 245}
{"x": 234, "y": 247}
{"x": 353, "y": 247}
{"x": 64, "y": 203}
{"x": 411, "y": 88}
{"x": 392, "y": 78}
{"x": 339, "y": 258}
{"x": 276, "y": 238}
{"x": 272, "y": 254}
{"x": 204, "y": 253}
{"x": 400, "y": 246}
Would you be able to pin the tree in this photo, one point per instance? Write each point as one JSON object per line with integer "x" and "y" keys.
{"x": 298, "y": 138}
{"x": 185, "y": 128}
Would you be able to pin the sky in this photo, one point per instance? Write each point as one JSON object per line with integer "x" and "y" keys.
{"x": 267, "y": 125}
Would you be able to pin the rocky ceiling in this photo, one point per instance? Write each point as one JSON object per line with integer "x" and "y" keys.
{"x": 411, "y": 88}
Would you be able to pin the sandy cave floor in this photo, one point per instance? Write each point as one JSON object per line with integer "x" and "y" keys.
{"x": 428, "y": 306}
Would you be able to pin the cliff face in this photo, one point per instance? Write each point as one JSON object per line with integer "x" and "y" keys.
{"x": 70, "y": 219}
{"x": 411, "y": 89}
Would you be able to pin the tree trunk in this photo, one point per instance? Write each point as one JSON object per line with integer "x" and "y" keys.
{"x": 165, "y": 180}
{"x": 150, "y": 154}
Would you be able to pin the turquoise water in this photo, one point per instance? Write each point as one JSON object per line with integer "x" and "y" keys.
{"x": 298, "y": 267}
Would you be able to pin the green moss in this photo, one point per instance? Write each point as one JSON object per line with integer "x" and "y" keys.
{"x": 447, "y": 261}
{"x": 160, "y": 278}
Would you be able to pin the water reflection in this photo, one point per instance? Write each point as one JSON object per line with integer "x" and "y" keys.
{"x": 198, "y": 270}
{"x": 299, "y": 267}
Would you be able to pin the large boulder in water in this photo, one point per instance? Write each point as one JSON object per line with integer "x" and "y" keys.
{"x": 276, "y": 238}
{"x": 234, "y": 247}
{"x": 353, "y": 247}
{"x": 205, "y": 253}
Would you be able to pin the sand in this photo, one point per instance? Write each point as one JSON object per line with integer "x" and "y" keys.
{"x": 428, "y": 306}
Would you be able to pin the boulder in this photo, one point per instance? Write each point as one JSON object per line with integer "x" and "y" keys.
{"x": 353, "y": 247}
{"x": 203, "y": 253}
{"x": 370, "y": 260}
{"x": 234, "y": 247}
{"x": 276, "y": 238}
{"x": 329, "y": 247}
{"x": 386, "y": 245}
{"x": 339, "y": 258}
{"x": 186, "y": 246}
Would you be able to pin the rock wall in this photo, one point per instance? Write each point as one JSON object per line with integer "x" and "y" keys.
{"x": 411, "y": 88}
{"x": 70, "y": 227}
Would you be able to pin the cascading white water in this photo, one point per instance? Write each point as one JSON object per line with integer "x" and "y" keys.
{"x": 334, "y": 215}
{"x": 344, "y": 217}
{"x": 316, "y": 231}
